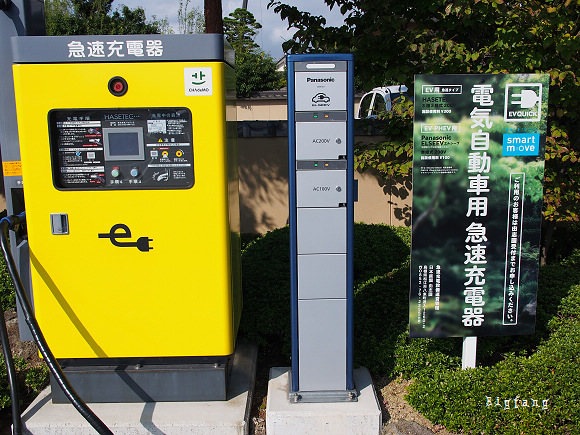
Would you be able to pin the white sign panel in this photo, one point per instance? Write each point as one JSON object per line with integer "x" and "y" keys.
{"x": 320, "y": 91}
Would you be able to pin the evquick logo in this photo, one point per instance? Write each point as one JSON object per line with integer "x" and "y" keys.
{"x": 523, "y": 102}
{"x": 522, "y": 114}
{"x": 321, "y": 188}
{"x": 320, "y": 140}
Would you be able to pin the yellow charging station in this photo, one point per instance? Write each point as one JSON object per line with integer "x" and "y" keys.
{"x": 130, "y": 181}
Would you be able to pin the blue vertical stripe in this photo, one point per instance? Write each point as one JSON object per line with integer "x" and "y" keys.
{"x": 350, "y": 223}
{"x": 292, "y": 222}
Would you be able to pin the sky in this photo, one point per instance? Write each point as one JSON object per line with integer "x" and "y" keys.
{"x": 273, "y": 32}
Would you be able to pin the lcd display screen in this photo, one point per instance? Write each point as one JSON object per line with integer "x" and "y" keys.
{"x": 124, "y": 143}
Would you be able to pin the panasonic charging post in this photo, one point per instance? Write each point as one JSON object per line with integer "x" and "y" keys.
{"x": 322, "y": 195}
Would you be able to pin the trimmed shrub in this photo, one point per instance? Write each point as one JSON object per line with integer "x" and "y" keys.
{"x": 31, "y": 380}
{"x": 381, "y": 325}
{"x": 379, "y": 249}
{"x": 536, "y": 394}
{"x": 7, "y": 296}
{"x": 266, "y": 288}
{"x": 381, "y": 291}
{"x": 247, "y": 238}
{"x": 554, "y": 283}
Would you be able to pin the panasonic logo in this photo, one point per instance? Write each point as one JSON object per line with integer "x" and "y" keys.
{"x": 325, "y": 80}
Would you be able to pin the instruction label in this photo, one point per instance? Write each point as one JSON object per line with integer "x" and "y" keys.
{"x": 12, "y": 169}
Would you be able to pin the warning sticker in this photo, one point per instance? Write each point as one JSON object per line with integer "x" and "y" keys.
{"x": 12, "y": 169}
{"x": 198, "y": 81}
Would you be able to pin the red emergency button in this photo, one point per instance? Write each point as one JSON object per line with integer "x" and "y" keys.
{"x": 118, "y": 86}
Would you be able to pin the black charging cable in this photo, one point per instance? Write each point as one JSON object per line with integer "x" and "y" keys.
{"x": 5, "y": 5}
{"x": 11, "y": 223}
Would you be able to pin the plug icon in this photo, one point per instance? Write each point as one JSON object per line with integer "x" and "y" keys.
{"x": 523, "y": 102}
{"x": 527, "y": 99}
{"x": 143, "y": 244}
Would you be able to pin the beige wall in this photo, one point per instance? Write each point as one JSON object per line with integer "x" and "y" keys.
{"x": 267, "y": 109}
{"x": 263, "y": 168}
{"x": 260, "y": 110}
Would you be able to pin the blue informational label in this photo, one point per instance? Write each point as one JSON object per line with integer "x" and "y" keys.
{"x": 521, "y": 144}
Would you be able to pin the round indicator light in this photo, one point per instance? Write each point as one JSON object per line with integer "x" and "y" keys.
{"x": 118, "y": 86}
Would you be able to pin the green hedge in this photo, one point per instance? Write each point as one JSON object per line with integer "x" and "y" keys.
{"x": 540, "y": 367}
{"x": 381, "y": 301}
{"x": 381, "y": 274}
{"x": 483, "y": 400}
{"x": 266, "y": 289}
{"x": 7, "y": 296}
{"x": 31, "y": 379}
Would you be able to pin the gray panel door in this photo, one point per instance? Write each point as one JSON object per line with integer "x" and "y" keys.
{"x": 321, "y": 230}
{"x": 322, "y": 276}
{"x": 320, "y": 140}
{"x": 320, "y": 188}
{"x": 322, "y": 341}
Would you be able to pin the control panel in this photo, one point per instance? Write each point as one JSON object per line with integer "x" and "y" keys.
{"x": 136, "y": 148}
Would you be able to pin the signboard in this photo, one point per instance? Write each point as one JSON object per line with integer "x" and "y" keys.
{"x": 478, "y": 170}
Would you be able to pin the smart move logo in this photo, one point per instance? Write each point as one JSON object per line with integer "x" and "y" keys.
{"x": 523, "y": 102}
{"x": 520, "y": 144}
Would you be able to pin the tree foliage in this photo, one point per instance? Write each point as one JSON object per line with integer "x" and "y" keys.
{"x": 394, "y": 40}
{"x": 190, "y": 21}
{"x": 255, "y": 70}
{"x": 241, "y": 28}
{"x": 96, "y": 17}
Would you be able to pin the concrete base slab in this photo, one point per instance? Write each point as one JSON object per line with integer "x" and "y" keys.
{"x": 363, "y": 417}
{"x": 158, "y": 418}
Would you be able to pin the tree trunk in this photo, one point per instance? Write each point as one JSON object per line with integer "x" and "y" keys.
{"x": 547, "y": 236}
{"x": 213, "y": 16}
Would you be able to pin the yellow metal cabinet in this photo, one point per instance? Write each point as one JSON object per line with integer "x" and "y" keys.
{"x": 130, "y": 180}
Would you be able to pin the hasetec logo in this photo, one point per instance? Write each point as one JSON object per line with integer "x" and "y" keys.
{"x": 198, "y": 81}
{"x": 523, "y": 102}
